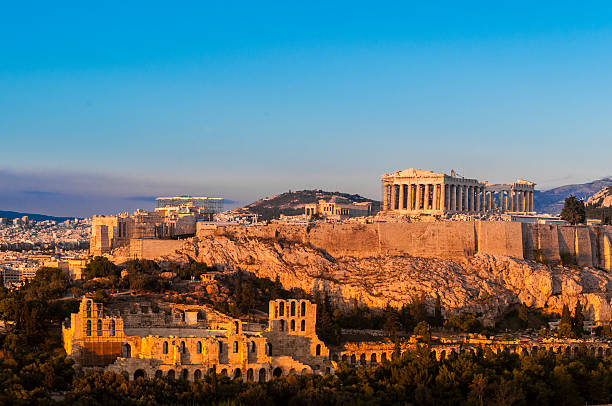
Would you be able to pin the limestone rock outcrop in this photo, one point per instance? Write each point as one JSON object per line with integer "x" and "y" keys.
{"x": 483, "y": 284}
{"x": 603, "y": 198}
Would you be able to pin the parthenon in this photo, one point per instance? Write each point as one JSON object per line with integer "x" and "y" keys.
{"x": 418, "y": 191}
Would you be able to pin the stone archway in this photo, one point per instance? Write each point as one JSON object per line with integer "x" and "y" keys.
{"x": 237, "y": 373}
{"x": 278, "y": 372}
{"x": 262, "y": 375}
{"x": 170, "y": 374}
{"x": 140, "y": 373}
{"x": 197, "y": 375}
{"x": 249, "y": 376}
{"x": 126, "y": 351}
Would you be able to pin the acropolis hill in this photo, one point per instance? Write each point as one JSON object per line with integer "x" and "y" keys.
{"x": 475, "y": 263}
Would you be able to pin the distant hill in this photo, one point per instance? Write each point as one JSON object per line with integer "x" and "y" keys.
{"x": 551, "y": 201}
{"x": 292, "y": 203}
{"x": 32, "y": 216}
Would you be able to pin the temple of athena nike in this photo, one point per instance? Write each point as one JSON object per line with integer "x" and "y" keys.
{"x": 418, "y": 191}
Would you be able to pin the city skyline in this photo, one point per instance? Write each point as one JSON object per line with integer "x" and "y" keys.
{"x": 105, "y": 107}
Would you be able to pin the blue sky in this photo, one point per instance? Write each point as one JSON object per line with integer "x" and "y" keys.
{"x": 104, "y": 104}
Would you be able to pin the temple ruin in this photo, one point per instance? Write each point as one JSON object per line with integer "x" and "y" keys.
{"x": 422, "y": 192}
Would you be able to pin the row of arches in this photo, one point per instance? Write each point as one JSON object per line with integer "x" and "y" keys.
{"x": 292, "y": 325}
{"x": 373, "y": 358}
{"x": 250, "y": 375}
{"x": 99, "y": 330}
{"x": 292, "y": 309}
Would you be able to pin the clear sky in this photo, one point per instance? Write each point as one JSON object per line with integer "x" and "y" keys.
{"x": 104, "y": 104}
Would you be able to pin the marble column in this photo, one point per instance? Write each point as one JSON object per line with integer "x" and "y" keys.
{"x": 426, "y": 197}
{"x": 452, "y": 195}
{"x": 470, "y": 198}
{"x": 444, "y": 196}
{"x": 401, "y": 197}
{"x": 531, "y": 201}
{"x": 435, "y": 197}
{"x": 386, "y": 197}
{"x": 478, "y": 199}
{"x": 408, "y": 196}
{"x": 459, "y": 199}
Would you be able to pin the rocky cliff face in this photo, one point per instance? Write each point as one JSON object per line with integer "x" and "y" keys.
{"x": 482, "y": 284}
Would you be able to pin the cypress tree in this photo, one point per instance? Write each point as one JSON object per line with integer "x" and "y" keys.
{"x": 578, "y": 320}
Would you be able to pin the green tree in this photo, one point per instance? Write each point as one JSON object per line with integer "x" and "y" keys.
{"x": 523, "y": 315}
{"x": 566, "y": 317}
{"x": 565, "y": 330}
{"x": 101, "y": 296}
{"x": 573, "y": 210}
{"x": 392, "y": 321}
{"x": 438, "y": 320}
{"x": 101, "y": 267}
{"x": 578, "y": 321}
{"x": 422, "y": 329}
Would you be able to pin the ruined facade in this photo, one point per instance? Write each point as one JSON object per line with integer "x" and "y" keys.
{"x": 417, "y": 191}
{"x": 338, "y": 209}
{"x": 372, "y": 353}
{"x": 189, "y": 341}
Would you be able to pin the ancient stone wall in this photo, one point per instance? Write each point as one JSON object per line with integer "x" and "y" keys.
{"x": 150, "y": 248}
{"x": 572, "y": 245}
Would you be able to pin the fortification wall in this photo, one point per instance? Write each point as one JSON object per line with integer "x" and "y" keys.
{"x": 500, "y": 238}
{"x": 579, "y": 245}
{"x": 150, "y": 249}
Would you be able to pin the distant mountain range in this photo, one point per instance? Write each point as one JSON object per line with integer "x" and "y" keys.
{"x": 292, "y": 203}
{"x": 551, "y": 201}
{"x": 32, "y": 216}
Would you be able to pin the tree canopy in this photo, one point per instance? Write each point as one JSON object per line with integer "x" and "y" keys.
{"x": 573, "y": 211}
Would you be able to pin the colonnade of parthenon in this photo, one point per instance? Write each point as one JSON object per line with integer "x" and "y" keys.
{"x": 417, "y": 191}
